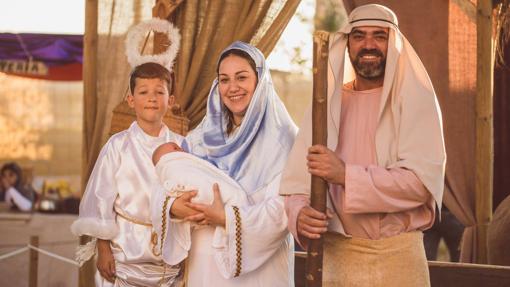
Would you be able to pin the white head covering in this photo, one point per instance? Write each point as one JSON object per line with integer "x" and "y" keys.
{"x": 409, "y": 132}
{"x": 257, "y": 153}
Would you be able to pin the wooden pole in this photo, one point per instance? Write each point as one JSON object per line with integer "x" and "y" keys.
{"x": 33, "y": 262}
{"x": 484, "y": 150}
{"x": 319, "y": 136}
{"x": 86, "y": 272}
{"x": 89, "y": 84}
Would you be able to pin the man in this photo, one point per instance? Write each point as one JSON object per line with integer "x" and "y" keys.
{"x": 384, "y": 159}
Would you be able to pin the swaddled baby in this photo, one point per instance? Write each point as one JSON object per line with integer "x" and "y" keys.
{"x": 181, "y": 172}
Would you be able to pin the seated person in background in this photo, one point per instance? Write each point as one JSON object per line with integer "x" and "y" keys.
{"x": 18, "y": 195}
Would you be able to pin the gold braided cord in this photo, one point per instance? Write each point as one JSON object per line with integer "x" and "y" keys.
{"x": 154, "y": 237}
{"x": 239, "y": 247}
{"x": 131, "y": 219}
{"x": 163, "y": 229}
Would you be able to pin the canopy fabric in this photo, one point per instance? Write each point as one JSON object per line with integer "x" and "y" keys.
{"x": 42, "y": 56}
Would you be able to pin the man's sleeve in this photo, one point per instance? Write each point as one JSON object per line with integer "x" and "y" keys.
{"x": 375, "y": 189}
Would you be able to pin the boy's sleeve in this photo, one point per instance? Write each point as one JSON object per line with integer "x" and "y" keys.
{"x": 97, "y": 217}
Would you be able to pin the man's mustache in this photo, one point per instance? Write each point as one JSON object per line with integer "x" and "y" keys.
{"x": 372, "y": 52}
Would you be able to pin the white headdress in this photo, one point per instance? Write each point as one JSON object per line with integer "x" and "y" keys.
{"x": 139, "y": 32}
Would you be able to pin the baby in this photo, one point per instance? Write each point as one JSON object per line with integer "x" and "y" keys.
{"x": 181, "y": 172}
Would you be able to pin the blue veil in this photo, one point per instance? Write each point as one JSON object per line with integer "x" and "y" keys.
{"x": 257, "y": 153}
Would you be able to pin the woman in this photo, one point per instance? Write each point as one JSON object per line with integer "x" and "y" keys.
{"x": 247, "y": 133}
{"x": 15, "y": 193}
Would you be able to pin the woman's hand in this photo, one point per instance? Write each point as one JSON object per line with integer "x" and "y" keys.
{"x": 324, "y": 163}
{"x": 209, "y": 214}
{"x": 179, "y": 209}
{"x": 105, "y": 262}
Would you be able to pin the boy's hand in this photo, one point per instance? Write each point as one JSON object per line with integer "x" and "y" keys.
{"x": 105, "y": 262}
{"x": 179, "y": 208}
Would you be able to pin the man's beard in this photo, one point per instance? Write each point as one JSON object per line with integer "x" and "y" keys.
{"x": 369, "y": 70}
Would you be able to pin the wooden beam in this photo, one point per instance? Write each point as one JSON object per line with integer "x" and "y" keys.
{"x": 484, "y": 150}
{"x": 86, "y": 272}
{"x": 446, "y": 274}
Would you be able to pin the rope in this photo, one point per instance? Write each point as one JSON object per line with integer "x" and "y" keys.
{"x": 54, "y": 243}
{"x": 15, "y": 252}
{"x": 56, "y": 256}
{"x": 47, "y": 253}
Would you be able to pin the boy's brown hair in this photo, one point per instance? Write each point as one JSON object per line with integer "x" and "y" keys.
{"x": 151, "y": 71}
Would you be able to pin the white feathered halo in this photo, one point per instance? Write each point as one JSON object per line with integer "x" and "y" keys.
{"x": 138, "y": 33}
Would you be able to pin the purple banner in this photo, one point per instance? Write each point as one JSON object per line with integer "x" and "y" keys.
{"x": 52, "y": 50}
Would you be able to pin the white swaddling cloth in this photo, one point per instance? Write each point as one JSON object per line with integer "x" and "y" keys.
{"x": 181, "y": 172}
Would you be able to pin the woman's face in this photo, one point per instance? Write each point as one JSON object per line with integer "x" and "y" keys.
{"x": 10, "y": 177}
{"x": 237, "y": 82}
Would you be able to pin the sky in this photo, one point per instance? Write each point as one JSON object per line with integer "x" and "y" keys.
{"x": 42, "y": 16}
{"x": 68, "y": 17}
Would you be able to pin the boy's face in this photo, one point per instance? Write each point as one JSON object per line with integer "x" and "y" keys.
{"x": 150, "y": 100}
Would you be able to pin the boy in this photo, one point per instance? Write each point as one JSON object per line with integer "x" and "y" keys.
{"x": 115, "y": 206}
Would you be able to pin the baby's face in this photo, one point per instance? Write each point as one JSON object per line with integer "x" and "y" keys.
{"x": 173, "y": 147}
{"x": 164, "y": 149}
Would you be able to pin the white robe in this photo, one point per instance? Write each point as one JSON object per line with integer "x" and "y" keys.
{"x": 117, "y": 194}
{"x": 267, "y": 248}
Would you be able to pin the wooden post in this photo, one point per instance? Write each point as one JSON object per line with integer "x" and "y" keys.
{"x": 484, "y": 154}
{"x": 86, "y": 272}
{"x": 89, "y": 84}
{"x": 33, "y": 262}
{"x": 319, "y": 136}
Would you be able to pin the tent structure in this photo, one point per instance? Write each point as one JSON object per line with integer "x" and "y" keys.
{"x": 42, "y": 56}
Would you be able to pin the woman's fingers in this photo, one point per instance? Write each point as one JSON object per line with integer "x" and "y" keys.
{"x": 204, "y": 222}
{"x": 196, "y": 206}
{"x": 187, "y": 196}
{"x": 195, "y": 218}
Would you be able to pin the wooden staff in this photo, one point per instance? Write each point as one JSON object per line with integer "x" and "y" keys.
{"x": 319, "y": 136}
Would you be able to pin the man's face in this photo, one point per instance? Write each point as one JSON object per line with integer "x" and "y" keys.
{"x": 368, "y": 47}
